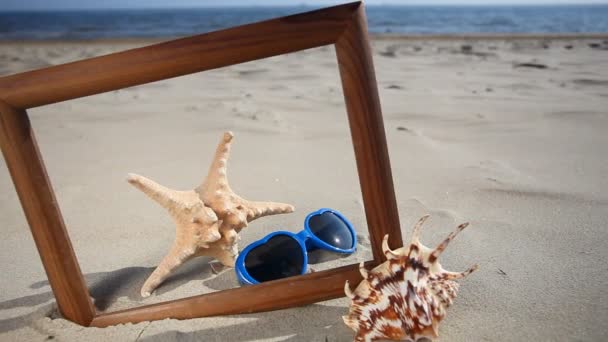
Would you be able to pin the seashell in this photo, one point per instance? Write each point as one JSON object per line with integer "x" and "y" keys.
{"x": 406, "y": 297}
{"x": 208, "y": 219}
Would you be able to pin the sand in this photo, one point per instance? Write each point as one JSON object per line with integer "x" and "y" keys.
{"x": 517, "y": 150}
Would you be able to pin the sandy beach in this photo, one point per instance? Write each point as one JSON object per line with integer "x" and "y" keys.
{"x": 506, "y": 133}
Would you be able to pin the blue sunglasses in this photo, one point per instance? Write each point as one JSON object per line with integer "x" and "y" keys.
{"x": 284, "y": 254}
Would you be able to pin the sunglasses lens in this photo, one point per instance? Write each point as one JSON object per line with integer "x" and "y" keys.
{"x": 280, "y": 257}
{"x": 331, "y": 229}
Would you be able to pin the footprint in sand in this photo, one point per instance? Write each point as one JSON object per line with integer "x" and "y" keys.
{"x": 252, "y": 72}
{"x": 192, "y": 108}
{"x": 530, "y": 65}
{"x": 576, "y": 115}
{"x": 440, "y": 217}
{"x": 392, "y": 51}
{"x": 247, "y": 112}
{"x": 590, "y": 82}
{"x": 419, "y": 136}
{"x": 498, "y": 172}
{"x": 412, "y": 132}
{"x": 389, "y": 52}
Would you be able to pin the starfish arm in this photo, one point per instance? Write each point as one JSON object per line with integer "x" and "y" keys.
{"x": 260, "y": 209}
{"x": 164, "y": 196}
{"x": 216, "y": 178}
{"x": 176, "y": 257}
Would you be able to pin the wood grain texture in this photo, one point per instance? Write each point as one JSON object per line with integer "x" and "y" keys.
{"x": 343, "y": 26}
{"x": 176, "y": 58}
{"x": 280, "y": 294}
{"x": 367, "y": 130}
{"x": 38, "y": 201}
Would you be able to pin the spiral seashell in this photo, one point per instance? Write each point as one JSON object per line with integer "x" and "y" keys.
{"x": 406, "y": 297}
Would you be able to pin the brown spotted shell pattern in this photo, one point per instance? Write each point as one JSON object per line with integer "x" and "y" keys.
{"x": 405, "y": 297}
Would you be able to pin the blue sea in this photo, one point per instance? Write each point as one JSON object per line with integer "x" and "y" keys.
{"x": 93, "y": 24}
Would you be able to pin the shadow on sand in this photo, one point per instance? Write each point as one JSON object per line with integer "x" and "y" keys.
{"x": 107, "y": 287}
{"x": 309, "y": 323}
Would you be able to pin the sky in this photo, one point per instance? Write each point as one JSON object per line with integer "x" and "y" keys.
{"x": 95, "y": 4}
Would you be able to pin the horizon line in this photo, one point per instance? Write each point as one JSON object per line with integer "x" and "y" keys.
{"x": 302, "y": 6}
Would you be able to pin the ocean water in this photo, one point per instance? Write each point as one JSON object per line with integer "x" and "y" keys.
{"x": 382, "y": 19}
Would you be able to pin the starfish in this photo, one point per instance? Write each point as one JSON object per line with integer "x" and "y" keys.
{"x": 208, "y": 219}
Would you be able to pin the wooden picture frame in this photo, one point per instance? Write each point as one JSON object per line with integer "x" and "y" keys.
{"x": 343, "y": 26}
